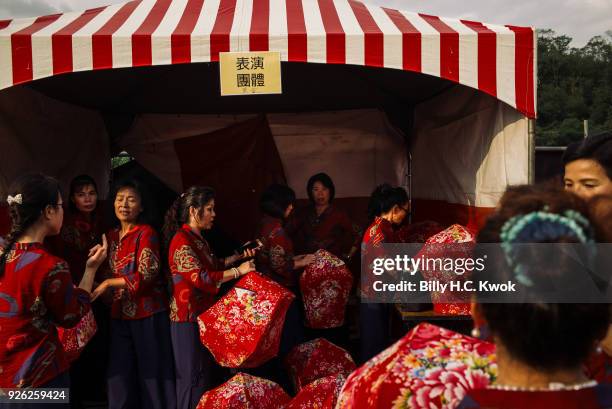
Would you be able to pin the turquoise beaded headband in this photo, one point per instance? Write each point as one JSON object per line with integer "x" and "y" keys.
{"x": 544, "y": 226}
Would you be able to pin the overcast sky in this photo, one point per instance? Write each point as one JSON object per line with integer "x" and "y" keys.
{"x": 580, "y": 19}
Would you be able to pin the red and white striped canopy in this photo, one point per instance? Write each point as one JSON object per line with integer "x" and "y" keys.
{"x": 498, "y": 60}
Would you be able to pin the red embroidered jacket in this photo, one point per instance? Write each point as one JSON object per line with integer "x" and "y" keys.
{"x": 332, "y": 231}
{"x": 36, "y": 294}
{"x": 196, "y": 275}
{"x": 135, "y": 258}
{"x": 275, "y": 259}
{"x": 379, "y": 232}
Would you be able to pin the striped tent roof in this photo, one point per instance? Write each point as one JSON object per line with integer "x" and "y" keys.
{"x": 498, "y": 60}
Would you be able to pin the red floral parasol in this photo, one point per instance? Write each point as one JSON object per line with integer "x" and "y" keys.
{"x": 325, "y": 286}
{"x": 244, "y": 391}
{"x": 455, "y": 242}
{"x": 243, "y": 328}
{"x": 429, "y": 368}
{"x": 316, "y": 359}
{"x": 320, "y": 394}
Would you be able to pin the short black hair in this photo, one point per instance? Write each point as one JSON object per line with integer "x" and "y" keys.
{"x": 275, "y": 200}
{"x": 597, "y": 148}
{"x": 325, "y": 180}
{"x": 146, "y": 217}
{"x": 384, "y": 197}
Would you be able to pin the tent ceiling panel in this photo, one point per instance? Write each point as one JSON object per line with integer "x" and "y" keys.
{"x": 498, "y": 60}
{"x": 194, "y": 88}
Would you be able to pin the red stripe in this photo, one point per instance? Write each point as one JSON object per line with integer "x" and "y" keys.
{"x": 220, "y": 35}
{"x": 487, "y": 57}
{"x": 142, "y": 52}
{"x": 102, "y": 40}
{"x": 260, "y": 21}
{"x": 374, "y": 46}
{"x": 296, "y": 27}
{"x": 449, "y": 48}
{"x": 411, "y": 40}
{"x": 4, "y": 24}
{"x": 336, "y": 39}
{"x": 523, "y": 69}
{"x": 181, "y": 37}
{"x": 61, "y": 41}
{"x": 21, "y": 48}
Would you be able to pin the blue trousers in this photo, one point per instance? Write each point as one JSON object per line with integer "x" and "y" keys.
{"x": 374, "y": 329}
{"x": 192, "y": 362}
{"x": 141, "y": 366}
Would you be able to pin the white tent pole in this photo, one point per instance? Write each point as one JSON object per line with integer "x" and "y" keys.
{"x": 531, "y": 147}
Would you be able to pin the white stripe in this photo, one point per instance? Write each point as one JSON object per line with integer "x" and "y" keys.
{"x": 430, "y": 44}
{"x": 42, "y": 52}
{"x": 6, "y": 55}
{"x": 392, "y": 38}
{"x": 468, "y": 52}
{"x": 239, "y": 33}
{"x": 200, "y": 39}
{"x": 505, "y": 57}
{"x": 82, "y": 53}
{"x": 161, "y": 46}
{"x": 278, "y": 28}
{"x": 315, "y": 32}
{"x": 355, "y": 47}
{"x": 122, "y": 38}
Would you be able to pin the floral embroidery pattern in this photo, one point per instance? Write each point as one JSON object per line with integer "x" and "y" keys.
{"x": 430, "y": 368}
{"x": 320, "y": 394}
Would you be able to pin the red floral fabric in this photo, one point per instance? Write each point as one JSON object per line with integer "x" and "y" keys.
{"x": 332, "y": 230}
{"x": 320, "y": 394}
{"x": 454, "y": 242}
{"x": 135, "y": 258}
{"x": 243, "y": 329}
{"x": 275, "y": 259}
{"x": 429, "y": 368}
{"x": 36, "y": 295}
{"x": 325, "y": 286}
{"x": 316, "y": 359}
{"x": 75, "y": 339}
{"x": 244, "y": 391}
{"x": 378, "y": 233}
{"x": 196, "y": 275}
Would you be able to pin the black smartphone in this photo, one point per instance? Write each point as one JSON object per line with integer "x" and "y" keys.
{"x": 250, "y": 245}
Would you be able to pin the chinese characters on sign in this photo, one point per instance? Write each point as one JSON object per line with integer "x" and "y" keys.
{"x": 250, "y": 73}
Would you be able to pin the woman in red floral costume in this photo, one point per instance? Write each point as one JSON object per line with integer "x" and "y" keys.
{"x": 196, "y": 277}
{"x": 322, "y": 225}
{"x": 388, "y": 206}
{"x": 141, "y": 368}
{"x": 541, "y": 347}
{"x": 82, "y": 228}
{"x": 276, "y": 259}
{"x": 36, "y": 290}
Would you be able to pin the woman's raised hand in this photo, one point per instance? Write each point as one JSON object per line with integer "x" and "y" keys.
{"x": 97, "y": 254}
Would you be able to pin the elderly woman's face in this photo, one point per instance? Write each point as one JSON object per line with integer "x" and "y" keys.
{"x": 128, "y": 205}
{"x": 587, "y": 178}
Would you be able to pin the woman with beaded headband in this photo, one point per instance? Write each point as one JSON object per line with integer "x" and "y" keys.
{"x": 196, "y": 275}
{"x": 36, "y": 289}
{"x": 541, "y": 347}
